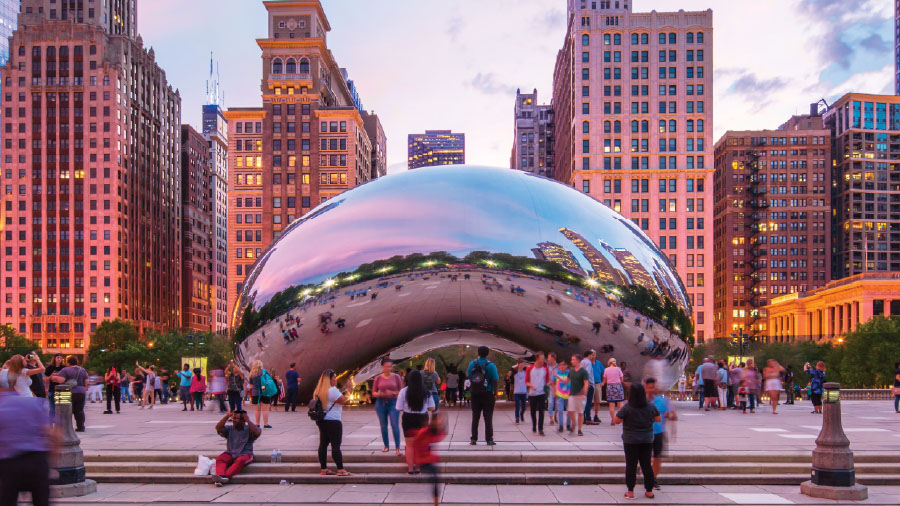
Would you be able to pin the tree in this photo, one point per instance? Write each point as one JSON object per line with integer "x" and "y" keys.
{"x": 11, "y": 343}
{"x": 869, "y": 352}
{"x": 114, "y": 334}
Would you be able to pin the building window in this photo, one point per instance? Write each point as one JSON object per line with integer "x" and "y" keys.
{"x": 586, "y": 186}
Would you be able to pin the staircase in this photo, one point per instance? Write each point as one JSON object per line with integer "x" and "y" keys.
{"x": 494, "y": 467}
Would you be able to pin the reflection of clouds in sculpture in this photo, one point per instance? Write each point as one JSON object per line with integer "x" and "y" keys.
{"x": 529, "y": 260}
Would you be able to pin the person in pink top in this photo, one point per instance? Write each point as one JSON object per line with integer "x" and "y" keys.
{"x": 198, "y": 388}
{"x": 615, "y": 392}
{"x": 385, "y": 388}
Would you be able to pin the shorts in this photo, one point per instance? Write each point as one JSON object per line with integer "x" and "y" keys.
{"x": 816, "y": 399}
{"x": 598, "y": 395}
{"x": 576, "y": 403}
{"x": 659, "y": 441}
{"x": 709, "y": 389}
{"x": 257, "y": 399}
{"x": 184, "y": 393}
{"x": 411, "y": 422}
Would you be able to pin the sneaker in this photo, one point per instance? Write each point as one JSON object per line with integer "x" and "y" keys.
{"x": 224, "y": 479}
{"x": 580, "y": 433}
{"x": 267, "y": 426}
{"x": 472, "y": 442}
{"x": 491, "y": 443}
{"x": 559, "y": 430}
{"x": 107, "y": 412}
{"x": 596, "y": 418}
{"x": 656, "y": 486}
{"x": 541, "y": 433}
{"x": 220, "y": 484}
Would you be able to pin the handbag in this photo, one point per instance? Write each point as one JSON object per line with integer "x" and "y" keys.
{"x": 895, "y": 390}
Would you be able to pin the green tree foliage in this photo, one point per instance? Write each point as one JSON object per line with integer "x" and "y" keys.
{"x": 11, "y": 343}
{"x": 869, "y": 354}
{"x": 114, "y": 334}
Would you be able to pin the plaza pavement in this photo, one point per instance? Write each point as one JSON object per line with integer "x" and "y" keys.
{"x": 872, "y": 427}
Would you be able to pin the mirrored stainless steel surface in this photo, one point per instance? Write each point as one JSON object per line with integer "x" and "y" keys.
{"x": 438, "y": 256}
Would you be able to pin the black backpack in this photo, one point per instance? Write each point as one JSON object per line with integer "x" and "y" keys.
{"x": 316, "y": 413}
{"x": 478, "y": 378}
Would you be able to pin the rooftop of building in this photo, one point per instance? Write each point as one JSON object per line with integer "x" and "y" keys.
{"x": 866, "y": 277}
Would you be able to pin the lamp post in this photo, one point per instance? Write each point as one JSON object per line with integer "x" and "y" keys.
{"x": 833, "y": 475}
{"x": 67, "y": 463}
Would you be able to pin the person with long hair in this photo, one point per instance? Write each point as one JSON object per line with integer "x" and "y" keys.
{"x": 816, "y": 384}
{"x": 149, "y": 384}
{"x": 414, "y": 402}
{"x": 56, "y": 364}
{"x": 235, "y": 387}
{"x": 637, "y": 418}
{"x": 537, "y": 379}
{"x": 260, "y": 402}
{"x": 772, "y": 376}
{"x": 331, "y": 429}
{"x": 615, "y": 390}
{"x": 423, "y": 452}
{"x": 137, "y": 385}
{"x": 19, "y": 376}
{"x": 432, "y": 381}
{"x": 111, "y": 379}
{"x": 198, "y": 388}
{"x": 385, "y": 388}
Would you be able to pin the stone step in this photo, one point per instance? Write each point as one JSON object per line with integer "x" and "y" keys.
{"x": 485, "y": 478}
{"x": 565, "y": 469}
{"x": 497, "y": 456}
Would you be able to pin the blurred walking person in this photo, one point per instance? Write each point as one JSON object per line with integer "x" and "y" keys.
{"x": 424, "y": 457}
{"x": 235, "y": 387}
{"x": 772, "y": 375}
{"x": 149, "y": 384}
{"x": 24, "y": 448}
{"x": 666, "y": 412}
{"x": 217, "y": 387}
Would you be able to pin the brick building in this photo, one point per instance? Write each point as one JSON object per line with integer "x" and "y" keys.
{"x": 306, "y": 144}
{"x": 436, "y": 147}
{"x": 633, "y": 110}
{"x": 196, "y": 232}
{"x": 92, "y": 193}
{"x": 532, "y": 149}
{"x": 772, "y": 220}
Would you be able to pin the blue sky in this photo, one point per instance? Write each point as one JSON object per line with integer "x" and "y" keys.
{"x": 456, "y": 65}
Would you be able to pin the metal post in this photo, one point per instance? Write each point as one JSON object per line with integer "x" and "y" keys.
{"x": 67, "y": 463}
{"x": 833, "y": 475}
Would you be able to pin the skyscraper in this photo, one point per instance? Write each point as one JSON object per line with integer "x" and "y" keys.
{"x": 532, "y": 149}
{"x": 866, "y": 156}
{"x": 553, "y": 252}
{"x": 93, "y": 193}
{"x": 772, "y": 220}
{"x": 375, "y": 131}
{"x": 897, "y": 47}
{"x": 306, "y": 144}
{"x": 436, "y": 147}
{"x": 196, "y": 232}
{"x": 215, "y": 130}
{"x": 9, "y": 11}
{"x": 632, "y": 99}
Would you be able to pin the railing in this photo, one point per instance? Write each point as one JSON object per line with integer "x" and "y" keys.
{"x": 848, "y": 394}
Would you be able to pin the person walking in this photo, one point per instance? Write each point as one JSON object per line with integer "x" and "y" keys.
{"x": 291, "y": 388}
{"x": 163, "y": 380}
{"x": 149, "y": 384}
{"x": 260, "y": 399}
{"x": 816, "y": 384}
{"x": 111, "y": 379}
{"x": 332, "y": 400}
{"x": 385, "y": 388}
{"x": 751, "y": 379}
{"x": 553, "y": 366}
{"x": 198, "y": 388}
{"x": 234, "y": 380}
{"x": 587, "y": 363}
{"x": 578, "y": 387}
{"x": 137, "y": 384}
{"x": 432, "y": 381}
{"x": 598, "y": 369}
{"x": 217, "y": 387}
{"x": 520, "y": 390}
{"x": 710, "y": 374}
{"x": 615, "y": 390}
{"x": 666, "y": 412}
{"x": 537, "y": 379}
{"x": 184, "y": 389}
{"x": 789, "y": 384}
{"x": 56, "y": 364}
{"x": 735, "y": 375}
{"x": 452, "y": 386}
{"x": 482, "y": 376}
{"x": 772, "y": 375}
{"x": 238, "y": 454}
{"x": 637, "y": 418}
{"x": 414, "y": 402}
{"x": 561, "y": 394}
{"x": 682, "y": 384}
{"x": 722, "y": 385}
{"x": 424, "y": 457}
{"x": 78, "y": 378}
{"x": 25, "y": 444}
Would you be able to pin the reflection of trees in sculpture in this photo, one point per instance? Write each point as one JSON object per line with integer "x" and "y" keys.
{"x": 660, "y": 308}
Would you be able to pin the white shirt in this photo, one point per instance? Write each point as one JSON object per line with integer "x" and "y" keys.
{"x": 538, "y": 380}
{"x": 403, "y": 407}
{"x": 23, "y": 383}
{"x": 334, "y": 393}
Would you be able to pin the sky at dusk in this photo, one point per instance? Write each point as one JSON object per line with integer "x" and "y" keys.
{"x": 434, "y": 64}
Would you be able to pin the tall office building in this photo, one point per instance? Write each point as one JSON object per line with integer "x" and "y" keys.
{"x": 632, "y": 100}
{"x": 215, "y": 130}
{"x": 196, "y": 232}
{"x": 375, "y": 131}
{"x": 306, "y": 144}
{"x": 772, "y": 220}
{"x": 436, "y": 147}
{"x": 897, "y": 47}
{"x": 866, "y": 192}
{"x": 9, "y": 11}
{"x": 92, "y": 199}
{"x": 532, "y": 149}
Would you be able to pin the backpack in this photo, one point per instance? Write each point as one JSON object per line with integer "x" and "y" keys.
{"x": 267, "y": 386}
{"x": 478, "y": 377}
{"x": 429, "y": 382}
{"x": 316, "y": 413}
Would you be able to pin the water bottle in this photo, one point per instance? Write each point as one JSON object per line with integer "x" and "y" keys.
{"x": 279, "y": 456}
{"x": 274, "y": 456}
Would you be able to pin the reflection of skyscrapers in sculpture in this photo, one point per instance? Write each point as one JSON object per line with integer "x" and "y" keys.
{"x": 663, "y": 281}
{"x": 635, "y": 270}
{"x": 603, "y": 269}
{"x": 553, "y": 252}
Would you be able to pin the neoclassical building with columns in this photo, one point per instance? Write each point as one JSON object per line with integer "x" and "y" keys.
{"x": 834, "y": 310}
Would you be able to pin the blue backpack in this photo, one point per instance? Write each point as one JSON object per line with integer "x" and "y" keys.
{"x": 267, "y": 385}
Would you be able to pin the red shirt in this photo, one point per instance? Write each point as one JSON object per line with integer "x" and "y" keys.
{"x": 421, "y": 446}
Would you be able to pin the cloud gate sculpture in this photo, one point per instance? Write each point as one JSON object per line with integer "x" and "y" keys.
{"x": 461, "y": 255}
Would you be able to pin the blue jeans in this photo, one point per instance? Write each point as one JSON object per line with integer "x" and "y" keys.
{"x": 386, "y": 410}
{"x": 521, "y": 402}
{"x": 551, "y": 403}
{"x": 561, "y": 408}
{"x": 589, "y": 402}
{"x": 165, "y": 394}
{"x": 753, "y": 400}
{"x": 897, "y": 403}
{"x": 437, "y": 400}
{"x": 126, "y": 394}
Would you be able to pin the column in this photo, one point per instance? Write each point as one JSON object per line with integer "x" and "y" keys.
{"x": 854, "y": 316}
{"x": 829, "y": 322}
{"x": 866, "y": 309}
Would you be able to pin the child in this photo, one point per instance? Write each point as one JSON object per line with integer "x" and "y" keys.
{"x": 742, "y": 395}
{"x": 423, "y": 456}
